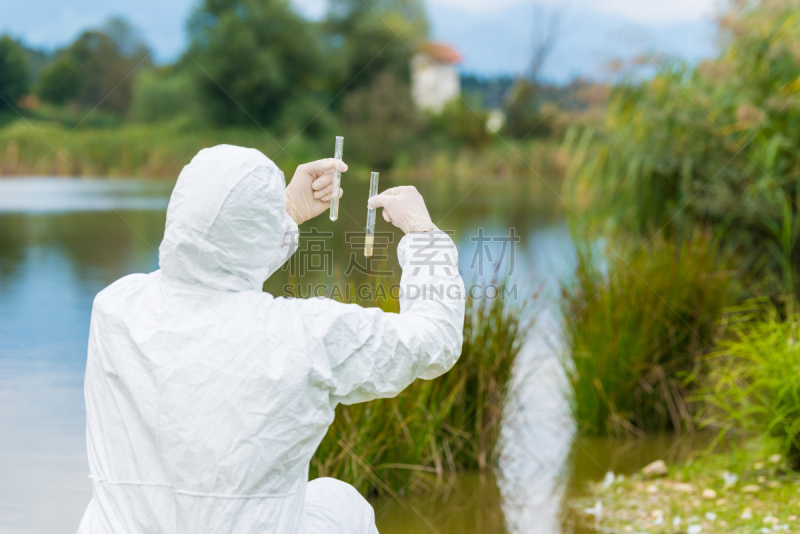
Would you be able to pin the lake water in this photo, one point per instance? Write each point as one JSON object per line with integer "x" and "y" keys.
{"x": 63, "y": 240}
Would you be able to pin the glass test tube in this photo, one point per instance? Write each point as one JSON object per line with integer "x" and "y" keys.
{"x": 370, "y": 237}
{"x": 337, "y": 177}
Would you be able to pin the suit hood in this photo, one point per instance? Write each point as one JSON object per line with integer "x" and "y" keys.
{"x": 227, "y": 226}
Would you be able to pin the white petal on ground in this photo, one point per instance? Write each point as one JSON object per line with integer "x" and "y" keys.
{"x": 596, "y": 511}
{"x": 730, "y": 478}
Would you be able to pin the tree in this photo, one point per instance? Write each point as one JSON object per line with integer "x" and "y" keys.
{"x": 524, "y": 107}
{"x": 368, "y": 38}
{"x": 379, "y": 120}
{"x": 98, "y": 69}
{"x": 13, "y": 72}
{"x": 252, "y": 57}
{"x": 59, "y": 81}
{"x": 36, "y": 59}
{"x": 546, "y": 28}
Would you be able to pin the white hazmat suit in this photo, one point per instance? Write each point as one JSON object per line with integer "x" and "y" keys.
{"x": 206, "y": 397}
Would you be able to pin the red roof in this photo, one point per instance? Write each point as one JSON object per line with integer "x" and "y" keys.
{"x": 440, "y": 52}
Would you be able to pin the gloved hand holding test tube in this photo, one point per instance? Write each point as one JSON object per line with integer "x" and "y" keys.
{"x": 370, "y": 230}
{"x": 337, "y": 177}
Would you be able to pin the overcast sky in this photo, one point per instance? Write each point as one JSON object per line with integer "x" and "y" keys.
{"x": 494, "y": 36}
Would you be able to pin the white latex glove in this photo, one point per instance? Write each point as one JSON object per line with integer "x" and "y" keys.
{"x": 405, "y": 208}
{"x": 309, "y": 192}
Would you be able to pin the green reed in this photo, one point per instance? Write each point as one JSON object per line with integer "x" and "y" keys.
{"x": 713, "y": 143}
{"x": 637, "y": 322}
{"x": 753, "y": 384}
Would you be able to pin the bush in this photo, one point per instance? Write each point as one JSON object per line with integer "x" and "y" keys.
{"x": 754, "y": 385}
{"x": 434, "y": 427}
{"x": 714, "y": 145}
{"x": 97, "y": 70}
{"x": 13, "y": 72}
{"x": 310, "y": 114}
{"x": 159, "y": 98}
{"x": 462, "y": 122}
{"x": 637, "y": 326}
{"x": 59, "y": 81}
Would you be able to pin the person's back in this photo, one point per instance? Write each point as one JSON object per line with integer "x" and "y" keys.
{"x": 206, "y": 398}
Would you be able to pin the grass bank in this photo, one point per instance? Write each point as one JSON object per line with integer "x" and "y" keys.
{"x": 161, "y": 151}
{"x": 748, "y": 489}
{"x": 150, "y": 151}
{"x": 434, "y": 428}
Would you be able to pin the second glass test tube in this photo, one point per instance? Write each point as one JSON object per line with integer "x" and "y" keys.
{"x": 370, "y": 230}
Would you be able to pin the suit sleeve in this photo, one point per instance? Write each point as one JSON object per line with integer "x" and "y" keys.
{"x": 361, "y": 354}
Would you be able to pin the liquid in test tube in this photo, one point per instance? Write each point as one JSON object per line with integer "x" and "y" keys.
{"x": 370, "y": 237}
{"x": 337, "y": 177}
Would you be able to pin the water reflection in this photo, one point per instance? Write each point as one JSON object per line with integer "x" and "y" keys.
{"x": 471, "y": 504}
{"x": 59, "y": 195}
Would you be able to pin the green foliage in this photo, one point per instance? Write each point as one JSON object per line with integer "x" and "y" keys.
{"x": 36, "y": 59}
{"x": 310, "y": 114}
{"x": 434, "y": 427}
{"x": 252, "y": 57}
{"x": 60, "y": 80}
{"x": 637, "y": 323}
{"x": 367, "y": 39}
{"x": 13, "y": 72}
{"x": 462, "y": 122}
{"x": 68, "y": 116}
{"x": 288, "y": 73}
{"x": 97, "y": 70}
{"x": 379, "y": 120}
{"x": 159, "y": 97}
{"x": 754, "y": 385}
{"x": 718, "y": 144}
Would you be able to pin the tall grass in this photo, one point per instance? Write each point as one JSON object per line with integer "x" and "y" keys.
{"x": 714, "y": 144}
{"x": 435, "y": 427}
{"x": 146, "y": 150}
{"x": 637, "y": 324}
{"x": 754, "y": 383}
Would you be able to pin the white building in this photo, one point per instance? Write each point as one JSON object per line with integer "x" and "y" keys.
{"x": 434, "y": 77}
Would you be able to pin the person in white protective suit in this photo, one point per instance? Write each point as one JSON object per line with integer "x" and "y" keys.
{"x": 206, "y": 397}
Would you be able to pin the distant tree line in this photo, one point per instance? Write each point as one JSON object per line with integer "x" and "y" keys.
{"x": 259, "y": 63}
